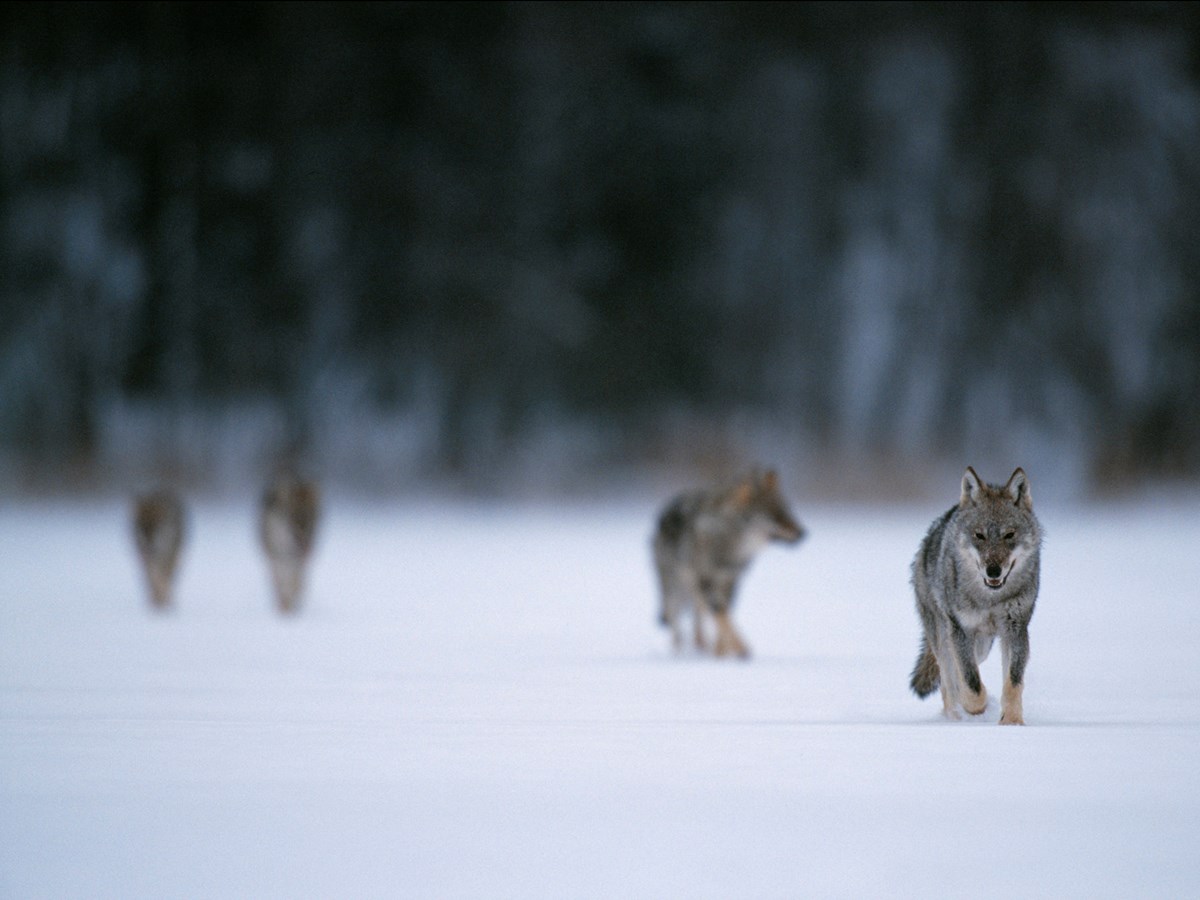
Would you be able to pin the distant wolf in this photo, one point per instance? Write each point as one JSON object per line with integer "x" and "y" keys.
{"x": 704, "y": 540}
{"x": 976, "y": 577}
{"x": 288, "y": 515}
{"x": 159, "y": 530}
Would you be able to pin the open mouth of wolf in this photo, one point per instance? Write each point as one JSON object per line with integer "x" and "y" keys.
{"x": 996, "y": 583}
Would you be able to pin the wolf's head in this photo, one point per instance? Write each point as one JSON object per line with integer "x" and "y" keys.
{"x": 997, "y": 532}
{"x": 757, "y": 497}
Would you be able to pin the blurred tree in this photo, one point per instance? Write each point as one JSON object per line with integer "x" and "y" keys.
{"x": 904, "y": 228}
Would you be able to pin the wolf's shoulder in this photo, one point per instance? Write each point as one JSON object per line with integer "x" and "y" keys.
{"x": 941, "y": 525}
{"x": 687, "y": 510}
{"x": 932, "y": 543}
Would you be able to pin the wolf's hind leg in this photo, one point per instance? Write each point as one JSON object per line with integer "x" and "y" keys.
{"x": 951, "y": 679}
{"x": 671, "y": 620}
{"x": 676, "y": 635}
{"x": 948, "y": 682}
{"x": 669, "y": 601}
{"x": 949, "y": 704}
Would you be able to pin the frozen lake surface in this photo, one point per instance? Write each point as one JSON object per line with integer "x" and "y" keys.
{"x": 477, "y": 702}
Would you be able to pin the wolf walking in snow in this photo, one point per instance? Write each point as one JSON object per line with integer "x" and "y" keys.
{"x": 704, "y": 541}
{"x": 976, "y": 578}
{"x": 288, "y": 515}
{"x": 159, "y": 531}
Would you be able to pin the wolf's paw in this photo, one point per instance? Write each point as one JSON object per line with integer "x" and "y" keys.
{"x": 975, "y": 704}
{"x": 731, "y": 645}
{"x": 1011, "y": 718}
{"x": 738, "y": 649}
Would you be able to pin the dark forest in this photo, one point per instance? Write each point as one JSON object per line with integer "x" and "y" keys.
{"x": 498, "y": 245}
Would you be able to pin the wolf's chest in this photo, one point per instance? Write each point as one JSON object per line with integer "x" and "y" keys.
{"x": 981, "y": 620}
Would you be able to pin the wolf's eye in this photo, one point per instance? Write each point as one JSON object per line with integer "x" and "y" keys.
{"x": 980, "y": 536}
{"x": 1009, "y": 535}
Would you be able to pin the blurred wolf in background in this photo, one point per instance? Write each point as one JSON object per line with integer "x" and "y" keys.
{"x": 976, "y": 577}
{"x": 288, "y": 515}
{"x": 159, "y": 530}
{"x": 704, "y": 541}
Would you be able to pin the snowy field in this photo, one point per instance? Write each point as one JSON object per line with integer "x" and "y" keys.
{"x": 477, "y": 702}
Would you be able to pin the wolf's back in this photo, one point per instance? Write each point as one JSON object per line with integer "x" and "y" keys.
{"x": 931, "y": 556}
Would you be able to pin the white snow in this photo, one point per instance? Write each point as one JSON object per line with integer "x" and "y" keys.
{"x": 477, "y": 702}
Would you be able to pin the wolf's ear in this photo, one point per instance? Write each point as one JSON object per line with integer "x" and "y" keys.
{"x": 770, "y": 480}
{"x": 1018, "y": 489}
{"x": 972, "y": 488}
{"x": 743, "y": 493}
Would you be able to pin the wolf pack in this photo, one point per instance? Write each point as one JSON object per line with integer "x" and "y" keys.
{"x": 288, "y": 513}
{"x": 975, "y": 574}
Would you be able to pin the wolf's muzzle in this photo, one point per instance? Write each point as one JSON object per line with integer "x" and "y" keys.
{"x": 790, "y": 535}
{"x": 995, "y": 576}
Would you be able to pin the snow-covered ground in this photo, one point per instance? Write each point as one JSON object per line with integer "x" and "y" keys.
{"x": 477, "y": 702}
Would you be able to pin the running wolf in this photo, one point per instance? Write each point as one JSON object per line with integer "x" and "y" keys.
{"x": 976, "y": 578}
{"x": 159, "y": 530}
{"x": 288, "y": 514}
{"x": 704, "y": 541}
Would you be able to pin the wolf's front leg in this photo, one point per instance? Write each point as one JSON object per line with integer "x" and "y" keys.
{"x": 971, "y": 692}
{"x": 729, "y": 642}
{"x": 160, "y": 585}
{"x": 718, "y": 595}
{"x": 676, "y": 632}
{"x": 670, "y": 612}
{"x": 1014, "y": 653}
{"x": 287, "y": 576}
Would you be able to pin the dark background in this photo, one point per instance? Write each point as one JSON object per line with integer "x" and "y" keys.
{"x": 506, "y": 247}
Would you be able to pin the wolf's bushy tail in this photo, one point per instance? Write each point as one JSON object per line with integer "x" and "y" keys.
{"x": 924, "y": 680}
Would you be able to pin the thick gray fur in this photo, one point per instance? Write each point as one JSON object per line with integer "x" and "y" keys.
{"x": 976, "y": 578}
{"x": 704, "y": 541}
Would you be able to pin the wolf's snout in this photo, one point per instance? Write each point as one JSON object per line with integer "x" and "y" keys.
{"x": 790, "y": 533}
{"x": 994, "y": 576}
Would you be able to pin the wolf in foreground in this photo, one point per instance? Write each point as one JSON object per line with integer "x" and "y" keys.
{"x": 288, "y": 515}
{"x": 976, "y": 578}
{"x": 704, "y": 541}
{"x": 159, "y": 531}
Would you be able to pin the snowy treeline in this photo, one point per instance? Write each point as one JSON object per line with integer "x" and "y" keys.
{"x": 413, "y": 239}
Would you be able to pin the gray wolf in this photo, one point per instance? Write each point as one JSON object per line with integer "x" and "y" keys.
{"x": 976, "y": 578}
{"x": 704, "y": 540}
{"x": 288, "y": 514}
{"x": 159, "y": 531}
